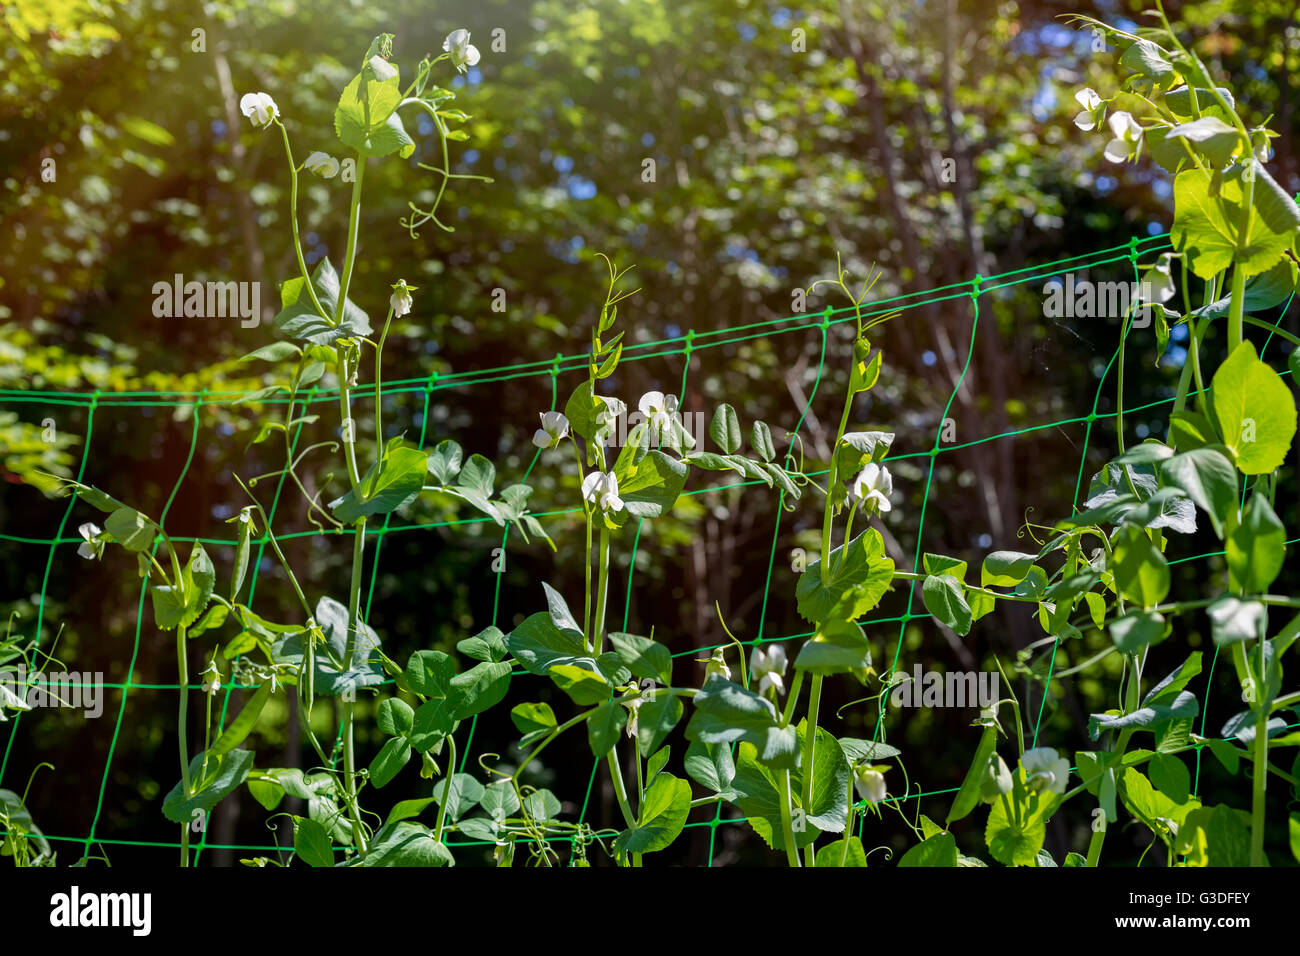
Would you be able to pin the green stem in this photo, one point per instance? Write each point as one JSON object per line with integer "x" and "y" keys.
{"x": 1238, "y": 302}
{"x": 293, "y": 220}
{"x": 182, "y": 716}
{"x": 787, "y": 826}
{"x": 830, "y": 489}
{"x": 810, "y": 736}
{"x": 602, "y": 591}
{"x": 446, "y": 788}
{"x": 354, "y": 222}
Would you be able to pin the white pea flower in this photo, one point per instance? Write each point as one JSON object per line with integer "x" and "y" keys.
{"x": 93, "y": 545}
{"x": 606, "y": 421}
{"x": 382, "y": 69}
{"x": 873, "y": 484}
{"x": 463, "y": 53}
{"x": 870, "y": 784}
{"x": 259, "y": 108}
{"x": 554, "y": 427}
{"x": 1128, "y": 135}
{"x": 602, "y": 488}
{"x": 997, "y": 780}
{"x": 660, "y": 412}
{"x": 322, "y": 164}
{"x": 633, "y": 713}
{"x": 1045, "y": 770}
{"x": 717, "y": 666}
{"x": 1092, "y": 109}
{"x": 400, "y": 300}
{"x": 767, "y": 666}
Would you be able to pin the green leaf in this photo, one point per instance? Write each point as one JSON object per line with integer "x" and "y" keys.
{"x": 725, "y": 429}
{"x": 275, "y": 352}
{"x": 538, "y": 644}
{"x": 1209, "y": 479}
{"x": 938, "y": 850}
{"x": 1208, "y": 240}
{"x": 1005, "y": 568}
{"x": 404, "y": 844}
{"x": 582, "y": 683}
{"x": 710, "y": 765}
{"x": 1255, "y": 548}
{"x": 945, "y": 599}
{"x": 1171, "y": 777}
{"x": 1233, "y": 620}
{"x": 725, "y": 713}
{"x": 604, "y": 726}
{"x": 542, "y": 805}
{"x": 445, "y": 462}
{"x": 224, "y": 774}
{"x": 847, "y": 851}
{"x": 1135, "y": 630}
{"x": 760, "y": 789}
{"x": 363, "y": 111}
{"x": 760, "y": 437}
{"x": 533, "y": 720}
{"x": 311, "y": 842}
{"x": 1170, "y": 707}
{"x": 395, "y": 717}
{"x": 1012, "y": 843}
{"x": 299, "y": 319}
{"x": 838, "y": 647}
{"x": 488, "y": 644}
{"x": 860, "y": 576}
{"x": 499, "y": 800}
{"x": 180, "y": 607}
{"x": 1178, "y": 679}
{"x": 131, "y": 529}
{"x": 1255, "y": 411}
{"x": 429, "y": 673}
{"x": 333, "y": 677}
{"x": 392, "y": 757}
{"x": 653, "y": 486}
{"x": 480, "y": 688}
{"x": 644, "y": 657}
{"x": 660, "y": 818}
{"x": 655, "y": 719}
{"x": 398, "y": 483}
{"x": 1141, "y": 571}
{"x": 464, "y": 794}
{"x": 1214, "y": 138}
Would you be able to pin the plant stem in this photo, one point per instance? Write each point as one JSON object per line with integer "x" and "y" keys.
{"x": 446, "y": 787}
{"x": 354, "y": 222}
{"x": 810, "y": 736}
{"x": 1238, "y": 303}
{"x": 602, "y": 590}
{"x": 830, "y": 489}
{"x": 787, "y": 827}
{"x": 182, "y": 714}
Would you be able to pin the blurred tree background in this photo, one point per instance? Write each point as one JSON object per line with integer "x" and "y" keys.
{"x": 932, "y": 139}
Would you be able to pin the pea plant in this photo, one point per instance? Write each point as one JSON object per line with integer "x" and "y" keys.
{"x": 1105, "y": 567}
{"x": 754, "y": 739}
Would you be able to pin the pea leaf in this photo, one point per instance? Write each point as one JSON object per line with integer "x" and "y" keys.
{"x": 1255, "y": 548}
{"x": 224, "y": 773}
{"x": 725, "y": 429}
{"x": 945, "y": 599}
{"x": 860, "y": 576}
{"x": 299, "y": 319}
{"x": 399, "y": 482}
{"x": 1208, "y": 478}
{"x": 660, "y": 818}
{"x": 1255, "y": 411}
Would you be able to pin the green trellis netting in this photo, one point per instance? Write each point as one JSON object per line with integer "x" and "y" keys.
{"x": 684, "y": 346}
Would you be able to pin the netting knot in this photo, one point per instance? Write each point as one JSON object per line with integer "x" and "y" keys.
{"x": 975, "y": 286}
